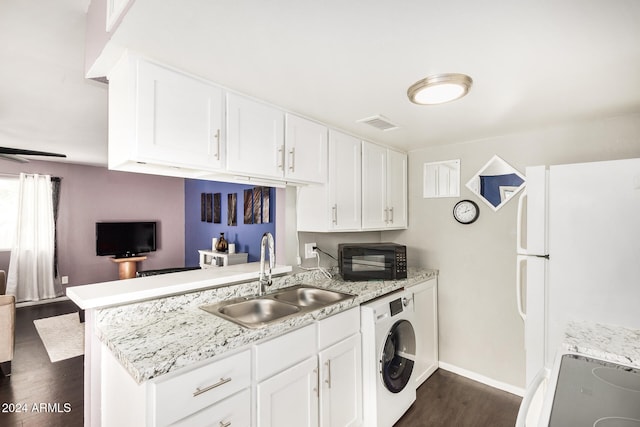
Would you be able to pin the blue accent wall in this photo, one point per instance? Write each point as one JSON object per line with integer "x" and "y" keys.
{"x": 198, "y": 234}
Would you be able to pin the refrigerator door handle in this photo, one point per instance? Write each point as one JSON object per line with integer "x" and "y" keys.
{"x": 521, "y": 260}
{"x": 520, "y": 222}
{"x": 531, "y": 406}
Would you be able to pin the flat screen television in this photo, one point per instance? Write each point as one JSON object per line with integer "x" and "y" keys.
{"x": 125, "y": 239}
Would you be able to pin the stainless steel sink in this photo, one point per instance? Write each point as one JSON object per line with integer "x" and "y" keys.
{"x": 256, "y": 312}
{"x": 252, "y": 313}
{"x": 305, "y": 296}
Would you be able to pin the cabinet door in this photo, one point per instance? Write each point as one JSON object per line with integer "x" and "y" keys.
{"x": 179, "y": 119}
{"x": 341, "y": 388}
{"x": 397, "y": 189}
{"x": 375, "y": 211}
{"x": 232, "y": 411}
{"x": 183, "y": 394}
{"x": 425, "y": 299}
{"x": 290, "y": 399}
{"x": 306, "y": 150}
{"x": 255, "y": 138}
{"x": 345, "y": 166}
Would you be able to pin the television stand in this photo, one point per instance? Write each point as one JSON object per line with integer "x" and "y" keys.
{"x": 128, "y": 266}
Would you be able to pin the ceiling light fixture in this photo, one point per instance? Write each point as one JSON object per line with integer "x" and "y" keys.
{"x": 439, "y": 88}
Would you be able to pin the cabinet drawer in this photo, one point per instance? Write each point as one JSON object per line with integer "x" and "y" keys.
{"x": 284, "y": 351}
{"x": 185, "y": 394}
{"x": 233, "y": 411}
{"x": 338, "y": 327}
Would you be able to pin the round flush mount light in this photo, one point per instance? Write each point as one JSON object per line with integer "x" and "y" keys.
{"x": 439, "y": 88}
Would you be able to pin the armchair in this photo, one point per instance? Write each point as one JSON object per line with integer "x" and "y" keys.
{"x": 7, "y": 326}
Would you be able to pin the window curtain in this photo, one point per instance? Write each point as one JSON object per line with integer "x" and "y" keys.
{"x": 56, "y": 183}
{"x": 31, "y": 267}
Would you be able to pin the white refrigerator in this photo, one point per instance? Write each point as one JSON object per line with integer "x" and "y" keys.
{"x": 578, "y": 252}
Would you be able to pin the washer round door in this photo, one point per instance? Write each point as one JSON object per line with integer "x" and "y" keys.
{"x": 398, "y": 355}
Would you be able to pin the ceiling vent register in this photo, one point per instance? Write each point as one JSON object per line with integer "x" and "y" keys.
{"x": 379, "y": 122}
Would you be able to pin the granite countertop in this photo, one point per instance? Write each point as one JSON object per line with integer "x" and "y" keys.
{"x": 156, "y": 337}
{"x": 606, "y": 342}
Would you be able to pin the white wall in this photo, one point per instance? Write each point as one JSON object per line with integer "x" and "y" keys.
{"x": 480, "y": 330}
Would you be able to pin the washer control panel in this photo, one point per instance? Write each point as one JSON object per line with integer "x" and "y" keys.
{"x": 396, "y": 306}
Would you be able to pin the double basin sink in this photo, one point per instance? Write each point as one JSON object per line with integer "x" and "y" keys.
{"x": 260, "y": 311}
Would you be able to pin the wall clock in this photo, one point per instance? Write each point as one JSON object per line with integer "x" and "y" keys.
{"x": 466, "y": 212}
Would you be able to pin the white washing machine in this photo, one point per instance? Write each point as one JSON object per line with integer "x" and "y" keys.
{"x": 388, "y": 357}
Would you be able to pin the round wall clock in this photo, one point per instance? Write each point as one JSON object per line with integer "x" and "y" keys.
{"x": 466, "y": 211}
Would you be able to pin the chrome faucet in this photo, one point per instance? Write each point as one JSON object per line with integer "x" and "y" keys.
{"x": 267, "y": 240}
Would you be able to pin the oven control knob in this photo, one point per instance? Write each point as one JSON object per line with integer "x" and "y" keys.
{"x": 405, "y": 301}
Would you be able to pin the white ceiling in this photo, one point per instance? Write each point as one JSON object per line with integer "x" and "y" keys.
{"x": 534, "y": 63}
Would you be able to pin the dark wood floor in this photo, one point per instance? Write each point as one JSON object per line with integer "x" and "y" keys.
{"x": 38, "y": 388}
{"x": 449, "y": 400}
{"x": 445, "y": 399}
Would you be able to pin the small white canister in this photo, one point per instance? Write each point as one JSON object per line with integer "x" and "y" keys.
{"x": 232, "y": 248}
{"x": 214, "y": 242}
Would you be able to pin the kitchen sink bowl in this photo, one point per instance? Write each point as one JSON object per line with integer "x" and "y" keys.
{"x": 257, "y": 312}
{"x": 305, "y": 296}
{"x": 252, "y": 313}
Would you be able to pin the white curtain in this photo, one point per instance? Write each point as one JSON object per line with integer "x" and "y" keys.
{"x": 31, "y": 272}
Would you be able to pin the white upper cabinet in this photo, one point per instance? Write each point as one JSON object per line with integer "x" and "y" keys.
{"x": 335, "y": 206}
{"x": 384, "y": 188}
{"x": 162, "y": 117}
{"x": 345, "y": 181}
{"x": 397, "y": 190}
{"x": 179, "y": 118}
{"x": 306, "y": 150}
{"x": 261, "y": 143}
{"x": 375, "y": 212}
{"x": 255, "y": 138}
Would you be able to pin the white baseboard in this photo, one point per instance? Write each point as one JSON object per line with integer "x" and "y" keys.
{"x": 44, "y": 301}
{"x": 482, "y": 379}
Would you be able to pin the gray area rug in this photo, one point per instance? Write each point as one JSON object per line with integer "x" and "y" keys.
{"x": 62, "y": 336}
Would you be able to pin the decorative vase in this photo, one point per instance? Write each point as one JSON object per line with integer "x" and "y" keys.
{"x": 222, "y": 244}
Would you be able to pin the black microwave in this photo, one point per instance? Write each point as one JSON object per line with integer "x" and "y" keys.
{"x": 372, "y": 261}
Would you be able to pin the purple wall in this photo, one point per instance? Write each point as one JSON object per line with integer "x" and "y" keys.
{"x": 198, "y": 234}
{"x": 90, "y": 194}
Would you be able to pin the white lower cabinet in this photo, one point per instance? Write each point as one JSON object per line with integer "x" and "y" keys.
{"x": 324, "y": 389}
{"x": 311, "y": 376}
{"x": 341, "y": 383}
{"x": 290, "y": 398}
{"x": 425, "y": 302}
{"x": 182, "y": 396}
{"x": 229, "y": 412}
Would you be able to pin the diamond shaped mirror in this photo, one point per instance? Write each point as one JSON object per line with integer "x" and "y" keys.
{"x": 496, "y": 183}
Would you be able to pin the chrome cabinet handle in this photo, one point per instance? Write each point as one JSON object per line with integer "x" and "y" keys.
{"x": 199, "y": 390}
{"x": 227, "y": 424}
{"x": 386, "y": 215}
{"x": 328, "y": 380}
{"x": 334, "y": 214}
{"x": 315, "y": 388}
{"x": 217, "y": 137}
{"x": 292, "y": 163}
{"x": 281, "y": 157}
{"x": 391, "y": 215}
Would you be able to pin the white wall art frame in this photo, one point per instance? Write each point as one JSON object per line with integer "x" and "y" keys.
{"x": 496, "y": 183}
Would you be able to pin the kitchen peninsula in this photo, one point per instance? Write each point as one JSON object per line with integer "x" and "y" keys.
{"x": 144, "y": 343}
